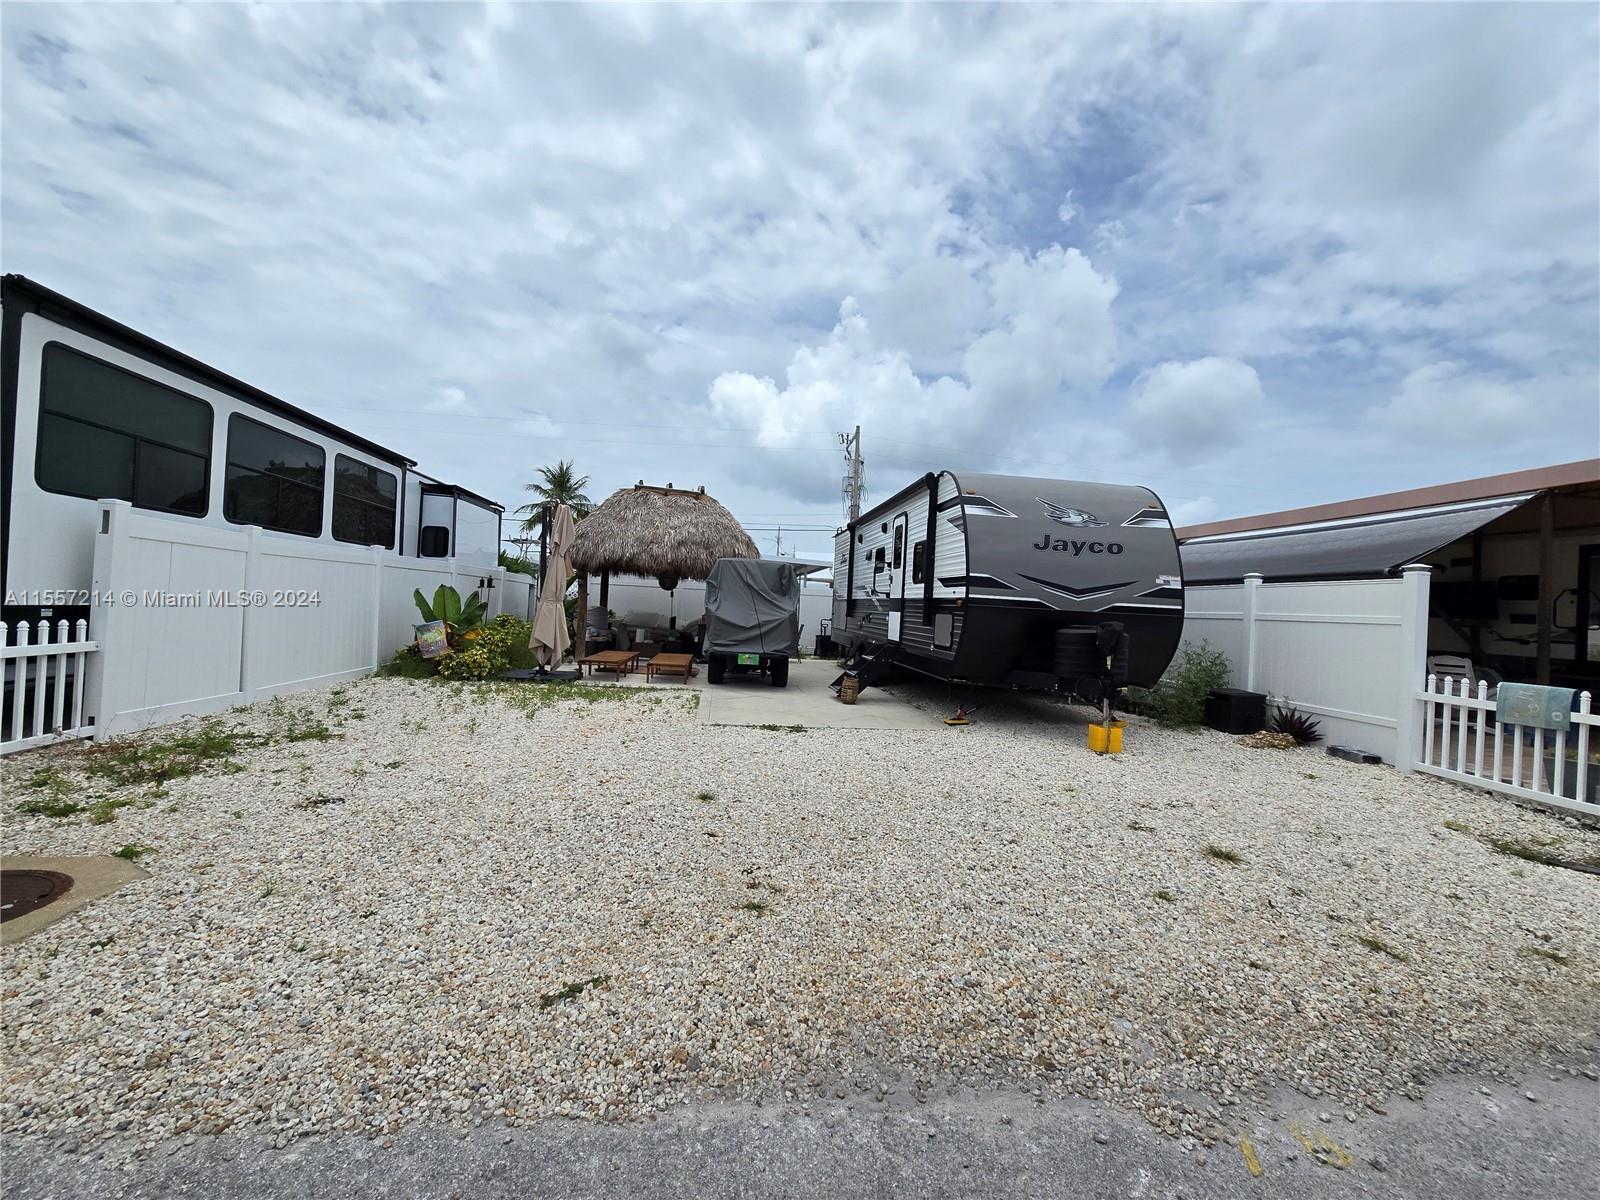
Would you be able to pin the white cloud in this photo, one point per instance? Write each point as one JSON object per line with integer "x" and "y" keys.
{"x": 1048, "y": 327}
{"x": 1447, "y": 401}
{"x": 612, "y": 218}
{"x": 1188, "y": 405}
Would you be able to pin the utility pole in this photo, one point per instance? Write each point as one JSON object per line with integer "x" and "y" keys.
{"x": 778, "y": 542}
{"x": 852, "y": 479}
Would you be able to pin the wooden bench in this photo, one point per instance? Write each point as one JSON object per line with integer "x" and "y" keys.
{"x": 618, "y": 661}
{"x": 670, "y": 664}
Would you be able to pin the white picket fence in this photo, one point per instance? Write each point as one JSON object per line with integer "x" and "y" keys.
{"x": 40, "y": 672}
{"x": 1462, "y": 740}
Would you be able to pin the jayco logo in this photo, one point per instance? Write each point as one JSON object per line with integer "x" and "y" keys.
{"x": 1065, "y": 546}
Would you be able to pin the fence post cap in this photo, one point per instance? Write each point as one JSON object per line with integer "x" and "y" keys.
{"x": 1256, "y": 575}
{"x": 1416, "y": 568}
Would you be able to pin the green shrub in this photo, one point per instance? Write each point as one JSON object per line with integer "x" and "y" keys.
{"x": 1180, "y": 697}
{"x": 486, "y": 652}
{"x": 480, "y": 653}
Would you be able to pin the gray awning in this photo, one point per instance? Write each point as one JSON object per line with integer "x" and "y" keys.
{"x": 1358, "y": 548}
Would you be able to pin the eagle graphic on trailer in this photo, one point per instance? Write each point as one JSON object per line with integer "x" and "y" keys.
{"x": 1056, "y": 585}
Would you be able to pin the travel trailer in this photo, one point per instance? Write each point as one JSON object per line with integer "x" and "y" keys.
{"x": 93, "y": 410}
{"x": 1010, "y": 581}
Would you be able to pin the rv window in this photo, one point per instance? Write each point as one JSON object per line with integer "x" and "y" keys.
{"x": 108, "y": 434}
{"x": 274, "y": 479}
{"x": 918, "y": 554}
{"x": 433, "y": 541}
{"x": 363, "y": 503}
{"x": 899, "y": 546}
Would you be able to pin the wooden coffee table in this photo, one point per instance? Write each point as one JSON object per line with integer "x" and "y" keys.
{"x": 670, "y": 664}
{"x": 620, "y": 662}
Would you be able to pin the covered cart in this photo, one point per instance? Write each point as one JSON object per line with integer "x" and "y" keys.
{"x": 752, "y": 619}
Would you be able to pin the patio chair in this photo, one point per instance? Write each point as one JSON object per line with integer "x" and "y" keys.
{"x": 1461, "y": 669}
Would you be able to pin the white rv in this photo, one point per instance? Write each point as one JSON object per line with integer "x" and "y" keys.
{"x": 91, "y": 409}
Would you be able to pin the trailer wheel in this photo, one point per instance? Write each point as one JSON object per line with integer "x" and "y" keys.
{"x": 780, "y": 672}
{"x": 714, "y": 666}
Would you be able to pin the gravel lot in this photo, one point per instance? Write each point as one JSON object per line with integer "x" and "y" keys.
{"x": 497, "y": 913}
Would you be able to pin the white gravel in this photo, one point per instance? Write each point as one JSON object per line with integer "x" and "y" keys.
{"x": 942, "y": 907}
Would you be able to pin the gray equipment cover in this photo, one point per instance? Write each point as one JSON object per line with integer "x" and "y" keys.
{"x": 752, "y": 607}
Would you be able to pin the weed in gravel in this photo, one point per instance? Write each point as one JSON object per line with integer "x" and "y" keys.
{"x": 1379, "y": 946}
{"x": 1222, "y": 854}
{"x": 133, "y": 852}
{"x": 1140, "y": 828}
{"x": 705, "y": 797}
{"x": 124, "y": 763}
{"x": 238, "y": 814}
{"x": 395, "y": 765}
{"x": 759, "y": 907}
{"x": 572, "y": 991}
{"x": 782, "y": 728}
{"x": 102, "y": 943}
{"x": 359, "y": 771}
{"x": 49, "y": 806}
{"x": 1458, "y": 826}
{"x": 1166, "y": 896}
{"x": 104, "y": 811}
{"x": 56, "y": 799}
{"x": 269, "y": 891}
{"x": 1549, "y": 955}
{"x": 306, "y": 730}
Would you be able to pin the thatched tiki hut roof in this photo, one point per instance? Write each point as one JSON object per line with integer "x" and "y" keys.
{"x": 661, "y": 531}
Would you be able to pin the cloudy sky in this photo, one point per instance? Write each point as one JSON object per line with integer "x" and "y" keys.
{"x": 1251, "y": 257}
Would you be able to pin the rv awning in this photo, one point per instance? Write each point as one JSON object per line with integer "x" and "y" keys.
{"x": 1357, "y": 548}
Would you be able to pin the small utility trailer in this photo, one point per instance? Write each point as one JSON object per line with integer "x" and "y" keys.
{"x": 752, "y": 619}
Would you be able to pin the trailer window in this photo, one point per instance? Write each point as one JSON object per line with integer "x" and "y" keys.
{"x": 899, "y": 546}
{"x": 274, "y": 479}
{"x": 363, "y": 503}
{"x": 109, "y": 434}
{"x": 919, "y": 552}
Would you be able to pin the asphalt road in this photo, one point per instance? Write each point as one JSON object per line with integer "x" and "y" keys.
{"x": 1469, "y": 1137}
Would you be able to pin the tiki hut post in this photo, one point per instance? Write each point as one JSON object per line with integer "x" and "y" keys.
{"x": 669, "y": 533}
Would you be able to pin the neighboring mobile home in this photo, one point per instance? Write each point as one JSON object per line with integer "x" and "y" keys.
{"x": 94, "y": 410}
{"x": 166, "y": 507}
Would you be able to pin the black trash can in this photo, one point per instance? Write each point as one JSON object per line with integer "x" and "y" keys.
{"x": 1234, "y": 710}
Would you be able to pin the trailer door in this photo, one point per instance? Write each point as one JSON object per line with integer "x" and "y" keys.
{"x": 898, "y": 571}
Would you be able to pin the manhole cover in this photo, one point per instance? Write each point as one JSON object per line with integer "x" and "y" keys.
{"x": 23, "y": 891}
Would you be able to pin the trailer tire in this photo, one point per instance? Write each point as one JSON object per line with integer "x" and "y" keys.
{"x": 780, "y": 672}
{"x": 1077, "y": 653}
{"x": 714, "y": 666}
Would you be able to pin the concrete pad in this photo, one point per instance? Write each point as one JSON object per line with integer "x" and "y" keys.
{"x": 807, "y": 700}
{"x": 92, "y": 878}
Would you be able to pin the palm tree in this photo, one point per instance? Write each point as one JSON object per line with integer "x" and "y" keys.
{"x": 556, "y": 485}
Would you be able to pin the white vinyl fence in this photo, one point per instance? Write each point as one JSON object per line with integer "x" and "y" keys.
{"x": 1463, "y": 740}
{"x": 44, "y": 677}
{"x": 188, "y": 619}
{"x": 1348, "y": 652}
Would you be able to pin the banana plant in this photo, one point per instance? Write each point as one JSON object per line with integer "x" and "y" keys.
{"x": 460, "y": 619}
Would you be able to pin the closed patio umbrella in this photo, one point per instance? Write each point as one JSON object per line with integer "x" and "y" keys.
{"x": 550, "y": 638}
